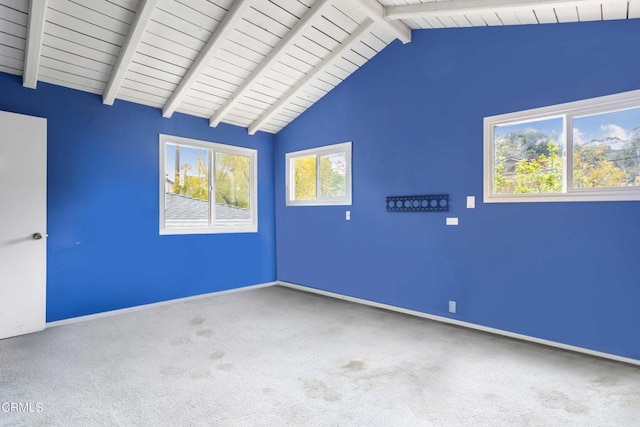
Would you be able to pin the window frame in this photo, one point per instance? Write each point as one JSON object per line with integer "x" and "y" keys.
{"x": 346, "y": 200}
{"x": 567, "y": 111}
{"x": 212, "y": 148}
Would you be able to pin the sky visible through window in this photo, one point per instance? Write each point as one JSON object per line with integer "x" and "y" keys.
{"x": 188, "y": 155}
{"x": 549, "y": 126}
{"x": 613, "y": 129}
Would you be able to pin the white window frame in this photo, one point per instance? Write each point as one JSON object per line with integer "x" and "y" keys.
{"x": 567, "y": 111}
{"x": 212, "y": 148}
{"x": 345, "y": 200}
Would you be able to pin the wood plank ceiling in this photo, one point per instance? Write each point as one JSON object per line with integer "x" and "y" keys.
{"x": 425, "y": 14}
{"x": 252, "y": 63}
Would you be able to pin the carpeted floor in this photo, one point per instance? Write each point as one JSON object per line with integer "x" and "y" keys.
{"x": 276, "y": 356}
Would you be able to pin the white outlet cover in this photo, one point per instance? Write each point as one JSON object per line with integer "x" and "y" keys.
{"x": 347, "y": 216}
{"x": 471, "y": 202}
{"x": 452, "y": 306}
{"x": 452, "y": 221}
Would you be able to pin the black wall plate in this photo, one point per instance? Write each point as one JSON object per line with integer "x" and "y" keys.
{"x": 424, "y": 203}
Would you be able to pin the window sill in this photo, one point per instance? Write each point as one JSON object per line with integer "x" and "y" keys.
{"x": 578, "y": 196}
{"x": 292, "y": 203}
{"x": 220, "y": 230}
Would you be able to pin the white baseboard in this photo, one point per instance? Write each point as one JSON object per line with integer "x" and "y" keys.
{"x": 152, "y": 305}
{"x": 461, "y": 323}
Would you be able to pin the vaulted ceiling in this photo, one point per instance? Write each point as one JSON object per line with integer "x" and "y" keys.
{"x": 252, "y": 63}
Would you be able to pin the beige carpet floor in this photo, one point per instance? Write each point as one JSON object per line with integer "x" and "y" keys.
{"x": 275, "y": 356}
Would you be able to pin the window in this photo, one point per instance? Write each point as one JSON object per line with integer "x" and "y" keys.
{"x": 206, "y": 187}
{"x": 319, "y": 176}
{"x": 581, "y": 151}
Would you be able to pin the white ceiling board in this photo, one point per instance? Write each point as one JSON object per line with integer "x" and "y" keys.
{"x": 634, "y": 9}
{"x": 131, "y": 5}
{"x": 567, "y": 14}
{"x": 213, "y": 9}
{"x": 73, "y": 81}
{"x": 589, "y": 12}
{"x": 158, "y": 37}
{"x": 11, "y": 52}
{"x": 59, "y": 78}
{"x": 491, "y": 18}
{"x": 171, "y": 34}
{"x": 447, "y": 21}
{"x": 110, "y": 10}
{"x": 73, "y": 69}
{"x": 10, "y": 69}
{"x": 79, "y": 51}
{"x": 59, "y": 13}
{"x": 77, "y": 61}
{"x": 266, "y": 64}
{"x": 76, "y": 37}
{"x": 546, "y": 15}
{"x": 526, "y": 16}
{"x": 14, "y": 29}
{"x": 428, "y": 22}
{"x": 150, "y": 81}
{"x": 509, "y": 12}
{"x": 195, "y": 110}
{"x": 13, "y": 15}
{"x": 154, "y": 73}
{"x": 12, "y": 41}
{"x": 145, "y": 88}
{"x": 614, "y": 9}
{"x": 508, "y": 17}
{"x": 163, "y": 55}
{"x": 476, "y": 20}
{"x": 13, "y": 63}
{"x": 127, "y": 94}
{"x": 20, "y": 5}
{"x": 461, "y": 21}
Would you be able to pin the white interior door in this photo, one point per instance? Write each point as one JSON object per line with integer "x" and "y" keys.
{"x": 23, "y": 220}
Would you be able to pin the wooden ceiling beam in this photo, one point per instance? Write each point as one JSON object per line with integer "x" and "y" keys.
{"x": 35, "y": 34}
{"x": 137, "y": 30}
{"x": 465, "y": 7}
{"x": 354, "y": 38}
{"x": 219, "y": 36}
{"x": 269, "y": 61}
{"x": 376, "y": 11}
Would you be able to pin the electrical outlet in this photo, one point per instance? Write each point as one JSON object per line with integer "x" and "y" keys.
{"x": 347, "y": 216}
{"x": 452, "y": 306}
{"x": 471, "y": 202}
{"x": 452, "y": 221}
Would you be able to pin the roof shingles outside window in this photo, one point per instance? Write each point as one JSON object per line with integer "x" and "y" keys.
{"x": 182, "y": 210}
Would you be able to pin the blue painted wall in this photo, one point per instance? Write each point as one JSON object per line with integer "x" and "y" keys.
{"x": 566, "y": 272}
{"x": 104, "y": 250}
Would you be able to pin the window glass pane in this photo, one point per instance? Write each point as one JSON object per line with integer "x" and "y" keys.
{"x": 233, "y": 188}
{"x": 186, "y": 186}
{"x": 606, "y": 150}
{"x": 304, "y": 171}
{"x": 333, "y": 175}
{"x": 528, "y": 157}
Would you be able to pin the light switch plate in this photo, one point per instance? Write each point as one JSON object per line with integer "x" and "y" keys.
{"x": 452, "y": 221}
{"x": 347, "y": 216}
